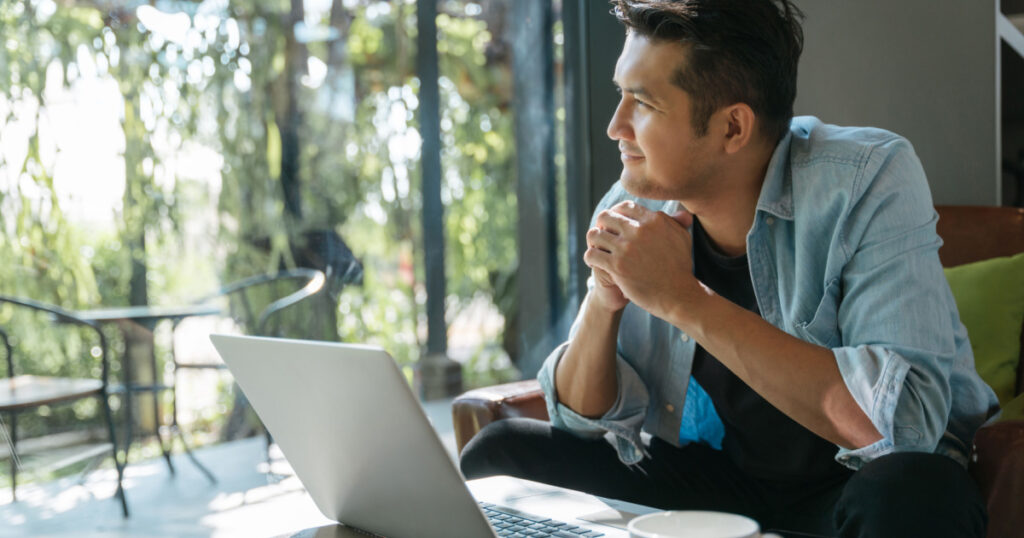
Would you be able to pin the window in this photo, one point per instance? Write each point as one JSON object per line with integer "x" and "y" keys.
{"x": 152, "y": 152}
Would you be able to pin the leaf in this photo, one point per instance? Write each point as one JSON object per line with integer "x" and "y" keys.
{"x": 273, "y": 149}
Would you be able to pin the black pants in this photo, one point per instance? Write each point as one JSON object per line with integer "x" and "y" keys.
{"x": 899, "y": 495}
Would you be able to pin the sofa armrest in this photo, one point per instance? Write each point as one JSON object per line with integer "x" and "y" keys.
{"x": 477, "y": 408}
{"x": 997, "y": 466}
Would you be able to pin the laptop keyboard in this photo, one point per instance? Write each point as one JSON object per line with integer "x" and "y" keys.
{"x": 515, "y": 524}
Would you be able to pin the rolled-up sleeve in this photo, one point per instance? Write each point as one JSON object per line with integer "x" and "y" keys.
{"x": 897, "y": 317}
{"x": 624, "y": 419}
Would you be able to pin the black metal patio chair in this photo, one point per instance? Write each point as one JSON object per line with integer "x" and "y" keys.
{"x": 80, "y": 347}
{"x": 254, "y": 304}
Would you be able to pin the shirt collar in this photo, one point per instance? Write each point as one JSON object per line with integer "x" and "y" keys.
{"x": 777, "y": 190}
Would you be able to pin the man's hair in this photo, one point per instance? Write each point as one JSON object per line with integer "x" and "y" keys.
{"x": 739, "y": 51}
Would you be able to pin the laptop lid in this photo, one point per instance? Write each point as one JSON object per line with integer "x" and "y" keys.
{"x": 355, "y": 435}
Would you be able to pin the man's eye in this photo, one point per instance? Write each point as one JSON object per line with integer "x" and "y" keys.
{"x": 641, "y": 103}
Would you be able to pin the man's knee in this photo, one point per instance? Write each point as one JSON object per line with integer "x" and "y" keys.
{"x": 497, "y": 448}
{"x": 911, "y": 494}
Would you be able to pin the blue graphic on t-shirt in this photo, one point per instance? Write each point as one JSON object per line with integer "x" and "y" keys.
{"x": 700, "y": 423}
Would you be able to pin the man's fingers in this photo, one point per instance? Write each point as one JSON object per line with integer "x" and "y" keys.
{"x": 683, "y": 217}
{"x": 631, "y": 212}
{"x": 597, "y": 259}
{"x": 601, "y": 239}
{"x": 614, "y": 221}
{"x": 603, "y": 278}
{"x": 630, "y": 209}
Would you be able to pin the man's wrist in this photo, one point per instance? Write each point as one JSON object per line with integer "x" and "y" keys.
{"x": 598, "y": 308}
{"x": 599, "y": 304}
{"x": 687, "y": 305}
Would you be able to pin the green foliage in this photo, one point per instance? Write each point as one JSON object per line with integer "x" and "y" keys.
{"x": 480, "y": 185}
{"x": 334, "y": 120}
{"x": 45, "y": 250}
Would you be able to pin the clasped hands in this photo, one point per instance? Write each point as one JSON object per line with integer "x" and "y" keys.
{"x": 641, "y": 256}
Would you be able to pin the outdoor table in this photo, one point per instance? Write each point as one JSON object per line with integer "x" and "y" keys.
{"x": 137, "y": 324}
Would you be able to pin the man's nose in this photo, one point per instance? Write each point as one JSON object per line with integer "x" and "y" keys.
{"x": 618, "y": 127}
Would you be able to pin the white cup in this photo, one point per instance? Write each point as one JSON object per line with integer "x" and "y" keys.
{"x": 695, "y": 524}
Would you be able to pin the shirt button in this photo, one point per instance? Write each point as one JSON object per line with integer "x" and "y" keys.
{"x": 770, "y": 220}
{"x": 670, "y": 408}
{"x": 684, "y": 337}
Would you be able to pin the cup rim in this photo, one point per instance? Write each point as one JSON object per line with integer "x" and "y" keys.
{"x": 641, "y": 533}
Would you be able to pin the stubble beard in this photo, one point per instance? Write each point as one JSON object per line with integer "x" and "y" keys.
{"x": 639, "y": 185}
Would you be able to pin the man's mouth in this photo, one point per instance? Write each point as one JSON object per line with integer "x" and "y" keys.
{"x": 629, "y": 155}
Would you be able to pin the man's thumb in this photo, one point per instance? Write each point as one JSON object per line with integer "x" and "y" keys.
{"x": 683, "y": 217}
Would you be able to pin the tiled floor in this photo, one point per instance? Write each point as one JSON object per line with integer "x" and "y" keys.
{"x": 243, "y": 503}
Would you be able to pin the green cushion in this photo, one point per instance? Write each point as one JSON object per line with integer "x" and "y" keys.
{"x": 990, "y": 297}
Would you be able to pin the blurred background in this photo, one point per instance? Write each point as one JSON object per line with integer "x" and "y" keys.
{"x": 153, "y": 152}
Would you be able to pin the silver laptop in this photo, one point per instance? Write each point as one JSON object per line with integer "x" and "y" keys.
{"x": 346, "y": 420}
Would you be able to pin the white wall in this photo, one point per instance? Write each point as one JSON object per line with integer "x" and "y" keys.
{"x": 925, "y": 69}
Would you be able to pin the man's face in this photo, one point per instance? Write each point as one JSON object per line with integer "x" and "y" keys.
{"x": 662, "y": 157}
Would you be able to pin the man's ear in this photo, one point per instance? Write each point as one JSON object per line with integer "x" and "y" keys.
{"x": 740, "y": 123}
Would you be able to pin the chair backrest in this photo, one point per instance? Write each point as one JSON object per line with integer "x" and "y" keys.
{"x": 971, "y": 233}
{"x": 238, "y": 292}
{"x": 51, "y": 315}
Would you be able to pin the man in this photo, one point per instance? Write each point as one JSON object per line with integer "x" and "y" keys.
{"x": 767, "y": 303}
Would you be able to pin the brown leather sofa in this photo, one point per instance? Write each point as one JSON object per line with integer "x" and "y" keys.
{"x": 997, "y": 459}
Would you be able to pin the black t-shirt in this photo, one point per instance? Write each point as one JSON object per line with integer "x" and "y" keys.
{"x": 759, "y": 438}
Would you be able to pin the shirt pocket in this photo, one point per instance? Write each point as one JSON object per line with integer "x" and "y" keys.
{"x": 823, "y": 327}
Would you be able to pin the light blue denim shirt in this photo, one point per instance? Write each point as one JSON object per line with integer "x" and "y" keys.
{"x": 843, "y": 253}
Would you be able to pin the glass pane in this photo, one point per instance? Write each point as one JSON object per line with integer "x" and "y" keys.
{"x": 154, "y": 154}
